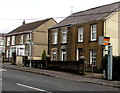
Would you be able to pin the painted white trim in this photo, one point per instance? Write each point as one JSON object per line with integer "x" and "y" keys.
{"x": 77, "y": 58}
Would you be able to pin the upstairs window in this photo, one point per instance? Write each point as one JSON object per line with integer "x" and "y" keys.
{"x": 64, "y": 36}
{"x": 27, "y": 38}
{"x": 8, "y": 41}
{"x": 13, "y": 40}
{"x": 93, "y": 32}
{"x": 55, "y": 34}
{"x": 80, "y": 34}
{"x": 21, "y": 39}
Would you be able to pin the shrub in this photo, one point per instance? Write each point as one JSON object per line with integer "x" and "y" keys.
{"x": 44, "y": 55}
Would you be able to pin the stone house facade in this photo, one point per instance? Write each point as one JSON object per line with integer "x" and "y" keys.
{"x": 30, "y": 39}
{"x": 79, "y": 33}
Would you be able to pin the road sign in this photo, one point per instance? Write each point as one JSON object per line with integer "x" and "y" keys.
{"x": 104, "y": 40}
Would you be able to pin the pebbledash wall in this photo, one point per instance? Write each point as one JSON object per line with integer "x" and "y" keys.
{"x": 112, "y": 29}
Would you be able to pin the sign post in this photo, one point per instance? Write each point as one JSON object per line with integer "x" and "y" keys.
{"x": 106, "y": 41}
{"x": 109, "y": 73}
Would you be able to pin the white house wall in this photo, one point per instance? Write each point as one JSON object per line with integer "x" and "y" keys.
{"x": 111, "y": 30}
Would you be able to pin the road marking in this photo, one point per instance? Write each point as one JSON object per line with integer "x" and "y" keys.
{"x": 32, "y": 88}
{"x": 3, "y": 70}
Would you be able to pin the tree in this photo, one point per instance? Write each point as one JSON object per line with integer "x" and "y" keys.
{"x": 44, "y": 55}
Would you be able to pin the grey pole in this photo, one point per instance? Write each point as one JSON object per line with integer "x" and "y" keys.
{"x": 110, "y": 64}
{"x": 30, "y": 43}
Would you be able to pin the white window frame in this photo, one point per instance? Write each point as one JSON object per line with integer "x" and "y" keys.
{"x": 93, "y": 56}
{"x": 64, "y": 36}
{"x": 8, "y": 41}
{"x": 27, "y": 38}
{"x": 20, "y": 50}
{"x": 63, "y": 54}
{"x": 93, "y": 32}
{"x": 55, "y": 34}
{"x": 54, "y": 55}
{"x": 13, "y": 40}
{"x": 21, "y": 39}
{"x": 80, "y": 34}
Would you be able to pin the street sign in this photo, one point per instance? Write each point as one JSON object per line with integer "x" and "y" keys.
{"x": 104, "y": 40}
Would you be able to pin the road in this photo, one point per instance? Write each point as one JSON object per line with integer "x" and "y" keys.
{"x": 14, "y": 80}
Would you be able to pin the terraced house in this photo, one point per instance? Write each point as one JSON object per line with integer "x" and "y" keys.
{"x": 29, "y": 39}
{"x": 79, "y": 33}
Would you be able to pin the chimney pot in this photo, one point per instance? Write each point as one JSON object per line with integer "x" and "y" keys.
{"x": 23, "y": 22}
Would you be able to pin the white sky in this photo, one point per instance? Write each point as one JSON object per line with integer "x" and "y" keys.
{"x": 13, "y": 12}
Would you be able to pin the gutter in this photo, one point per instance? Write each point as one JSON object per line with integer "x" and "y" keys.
{"x": 19, "y": 33}
{"x": 69, "y": 25}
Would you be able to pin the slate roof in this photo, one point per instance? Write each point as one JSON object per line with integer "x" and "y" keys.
{"x": 29, "y": 26}
{"x": 2, "y": 35}
{"x": 92, "y": 14}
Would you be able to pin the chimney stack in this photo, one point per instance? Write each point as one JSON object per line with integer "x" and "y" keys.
{"x": 23, "y": 22}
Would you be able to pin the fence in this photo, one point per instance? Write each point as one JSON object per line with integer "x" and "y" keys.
{"x": 69, "y": 66}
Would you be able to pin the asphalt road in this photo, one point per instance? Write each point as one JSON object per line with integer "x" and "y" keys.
{"x": 14, "y": 80}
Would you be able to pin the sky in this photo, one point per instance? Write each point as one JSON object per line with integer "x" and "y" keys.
{"x": 13, "y": 12}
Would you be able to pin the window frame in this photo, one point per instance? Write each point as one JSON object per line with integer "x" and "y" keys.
{"x": 55, "y": 36}
{"x": 8, "y": 41}
{"x": 27, "y": 38}
{"x": 21, "y": 39}
{"x": 13, "y": 40}
{"x": 54, "y": 55}
{"x": 64, "y": 36}
{"x": 93, "y": 57}
{"x": 62, "y": 54}
{"x": 93, "y": 32}
{"x": 80, "y": 34}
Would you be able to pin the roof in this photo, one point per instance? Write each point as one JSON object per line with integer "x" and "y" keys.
{"x": 92, "y": 14}
{"x": 2, "y": 34}
{"x": 29, "y": 26}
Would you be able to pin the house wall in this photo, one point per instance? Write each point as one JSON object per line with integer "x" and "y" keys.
{"x": 72, "y": 42}
{"x": 17, "y": 42}
{"x": 111, "y": 30}
{"x": 40, "y": 39}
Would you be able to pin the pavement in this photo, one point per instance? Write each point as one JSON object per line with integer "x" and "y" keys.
{"x": 93, "y": 78}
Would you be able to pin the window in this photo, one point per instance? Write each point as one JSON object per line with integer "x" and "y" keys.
{"x": 13, "y": 40}
{"x": 27, "y": 38}
{"x": 55, "y": 37}
{"x": 93, "y": 56}
{"x": 54, "y": 55}
{"x": 63, "y": 54}
{"x": 93, "y": 32}
{"x": 7, "y": 53}
{"x": 64, "y": 36}
{"x": 80, "y": 34}
{"x": 8, "y": 41}
{"x": 20, "y": 50}
{"x": 21, "y": 39}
